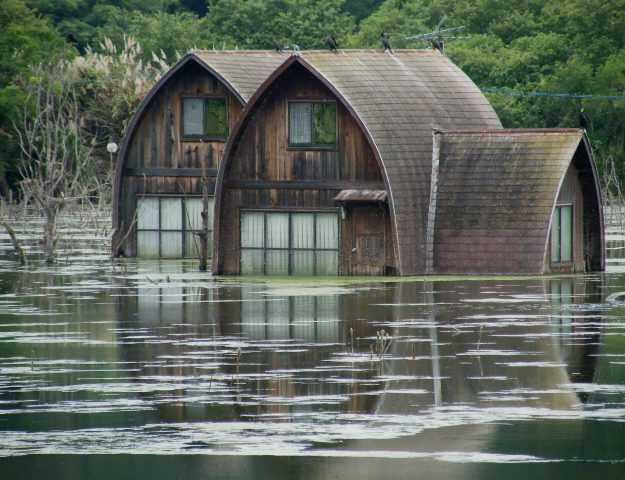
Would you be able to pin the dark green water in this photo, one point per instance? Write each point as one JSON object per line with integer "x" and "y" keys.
{"x": 151, "y": 370}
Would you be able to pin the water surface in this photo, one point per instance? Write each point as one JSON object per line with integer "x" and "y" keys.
{"x": 153, "y": 370}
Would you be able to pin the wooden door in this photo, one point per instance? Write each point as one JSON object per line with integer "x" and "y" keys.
{"x": 367, "y": 256}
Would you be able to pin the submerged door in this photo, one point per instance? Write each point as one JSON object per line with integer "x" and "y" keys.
{"x": 368, "y": 246}
{"x": 289, "y": 243}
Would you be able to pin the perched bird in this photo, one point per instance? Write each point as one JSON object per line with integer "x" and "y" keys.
{"x": 332, "y": 44}
{"x": 70, "y": 38}
{"x": 436, "y": 43}
{"x": 584, "y": 119}
{"x": 277, "y": 45}
{"x": 386, "y": 42}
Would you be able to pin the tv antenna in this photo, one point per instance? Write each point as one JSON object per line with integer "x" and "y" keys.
{"x": 439, "y": 36}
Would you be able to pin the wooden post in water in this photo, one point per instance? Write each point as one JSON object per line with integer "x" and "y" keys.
{"x": 204, "y": 234}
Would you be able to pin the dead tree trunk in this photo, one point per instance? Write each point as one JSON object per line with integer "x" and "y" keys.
{"x": 19, "y": 251}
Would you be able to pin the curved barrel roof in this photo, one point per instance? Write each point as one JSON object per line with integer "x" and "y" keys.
{"x": 397, "y": 100}
{"x": 496, "y": 191}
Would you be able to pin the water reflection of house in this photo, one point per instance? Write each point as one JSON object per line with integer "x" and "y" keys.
{"x": 299, "y": 346}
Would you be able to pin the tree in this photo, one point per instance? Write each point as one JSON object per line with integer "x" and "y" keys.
{"x": 23, "y": 36}
{"x": 55, "y": 167}
{"x": 109, "y": 84}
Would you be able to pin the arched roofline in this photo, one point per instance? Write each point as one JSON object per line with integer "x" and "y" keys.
{"x": 246, "y": 117}
{"x": 589, "y": 156}
{"x": 189, "y": 58}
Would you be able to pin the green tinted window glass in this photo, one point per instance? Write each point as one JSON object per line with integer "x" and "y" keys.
{"x": 324, "y": 124}
{"x": 215, "y": 118}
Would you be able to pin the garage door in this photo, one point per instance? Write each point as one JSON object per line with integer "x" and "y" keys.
{"x": 167, "y": 227}
{"x": 289, "y": 243}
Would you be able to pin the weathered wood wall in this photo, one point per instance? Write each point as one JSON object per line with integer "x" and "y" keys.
{"x": 158, "y": 160}
{"x": 265, "y": 173}
{"x": 571, "y": 194}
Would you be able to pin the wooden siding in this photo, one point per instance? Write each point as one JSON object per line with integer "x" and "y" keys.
{"x": 157, "y": 160}
{"x": 571, "y": 194}
{"x": 262, "y": 161}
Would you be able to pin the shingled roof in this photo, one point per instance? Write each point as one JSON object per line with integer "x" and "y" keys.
{"x": 397, "y": 99}
{"x": 494, "y": 197}
{"x": 243, "y": 71}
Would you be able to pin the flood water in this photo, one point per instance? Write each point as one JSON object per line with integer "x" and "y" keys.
{"x": 153, "y": 370}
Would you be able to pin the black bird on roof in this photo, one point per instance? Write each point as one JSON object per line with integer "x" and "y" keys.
{"x": 436, "y": 43}
{"x": 277, "y": 45}
{"x": 584, "y": 119}
{"x": 331, "y": 42}
{"x": 386, "y": 42}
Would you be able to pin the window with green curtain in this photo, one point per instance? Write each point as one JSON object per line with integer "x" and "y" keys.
{"x": 204, "y": 117}
{"x": 312, "y": 124}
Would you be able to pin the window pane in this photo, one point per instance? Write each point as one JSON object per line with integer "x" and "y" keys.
{"x": 327, "y": 263}
{"x": 215, "y": 118}
{"x": 192, "y": 245}
{"x": 328, "y": 322}
{"x": 300, "y": 128}
{"x": 303, "y": 262}
{"x": 303, "y": 318}
{"x": 147, "y": 244}
{"x": 147, "y": 213}
{"x": 193, "y": 214}
{"x": 324, "y": 124}
{"x": 193, "y": 116}
{"x": 277, "y": 230}
{"x": 277, "y": 262}
{"x": 253, "y": 316}
{"x": 302, "y": 232}
{"x": 278, "y": 319}
{"x": 171, "y": 244}
{"x": 566, "y": 233}
{"x": 251, "y": 262}
{"x": 171, "y": 213}
{"x": 327, "y": 235}
{"x": 555, "y": 235}
{"x": 252, "y": 229}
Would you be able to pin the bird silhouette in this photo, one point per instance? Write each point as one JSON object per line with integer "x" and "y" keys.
{"x": 437, "y": 44}
{"x": 277, "y": 45}
{"x": 386, "y": 42}
{"x": 584, "y": 119}
{"x": 331, "y": 42}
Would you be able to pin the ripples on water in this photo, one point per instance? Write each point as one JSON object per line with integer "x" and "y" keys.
{"x": 155, "y": 358}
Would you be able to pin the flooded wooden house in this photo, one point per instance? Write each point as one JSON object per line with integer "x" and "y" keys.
{"x": 180, "y": 128}
{"x": 366, "y": 163}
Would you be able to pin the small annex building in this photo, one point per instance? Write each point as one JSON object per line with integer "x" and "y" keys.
{"x": 367, "y": 163}
{"x": 180, "y": 127}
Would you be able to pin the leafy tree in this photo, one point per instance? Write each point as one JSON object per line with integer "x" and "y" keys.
{"x": 255, "y": 23}
{"x": 25, "y": 39}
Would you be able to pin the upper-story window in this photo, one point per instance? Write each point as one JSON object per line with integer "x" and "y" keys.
{"x": 312, "y": 124}
{"x": 204, "y": 117}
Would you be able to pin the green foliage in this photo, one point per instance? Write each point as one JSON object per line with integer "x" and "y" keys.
{"x": 255, "y": 23}
{"x": 25, "y": 39}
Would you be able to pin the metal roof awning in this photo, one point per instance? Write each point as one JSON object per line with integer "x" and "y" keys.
{"x": 361, "y": 196}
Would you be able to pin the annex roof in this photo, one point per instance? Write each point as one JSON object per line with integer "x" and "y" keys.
{"x": 495, "y": 194}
